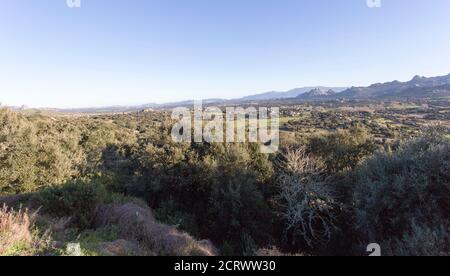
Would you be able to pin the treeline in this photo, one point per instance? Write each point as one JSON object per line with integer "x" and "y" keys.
{"x": 332, "y": 194}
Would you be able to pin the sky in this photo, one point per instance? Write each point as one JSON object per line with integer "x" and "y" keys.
{"x": 125, "y": 52}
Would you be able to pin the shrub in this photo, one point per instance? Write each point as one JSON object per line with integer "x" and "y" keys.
{"x": 344, "y": 149}
{"x": 77, "y": 200}
{"x": 422, "y": 241}
{"x": 237, "y": 210}
{"x": 238, "y": 214}
{"x": 35, "y": 153}
{"x": 402, "y": 199}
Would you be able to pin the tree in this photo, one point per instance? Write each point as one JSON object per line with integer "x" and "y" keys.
{"x": 306, "y": 199}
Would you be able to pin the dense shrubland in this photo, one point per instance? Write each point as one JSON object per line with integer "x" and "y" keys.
{"x": 329, "y": 194}
{"x": 402, "y": 199}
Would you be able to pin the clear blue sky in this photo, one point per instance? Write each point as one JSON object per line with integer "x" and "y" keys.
{"x": 137, "y": 51}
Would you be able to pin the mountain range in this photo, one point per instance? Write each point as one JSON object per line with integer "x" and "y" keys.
{"x": 417, "y": 88}
{"x": 317, "y": 93}
{"x": 273, "y": 95}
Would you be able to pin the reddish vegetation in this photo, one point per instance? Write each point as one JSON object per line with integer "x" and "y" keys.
{"x": 14, "y": 229}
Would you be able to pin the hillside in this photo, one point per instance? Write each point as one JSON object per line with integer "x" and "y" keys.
{"x": 418, "y": 87}
{"x": 274, "y": 95}
{"x": 317, "y": 93}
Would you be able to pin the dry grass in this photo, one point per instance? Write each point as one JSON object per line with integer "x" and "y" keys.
{"x": 137, "y": 223}
{"x": 275, "y": 252}
{"x": 18, "y": 234}
{"x": 15, "y": 231}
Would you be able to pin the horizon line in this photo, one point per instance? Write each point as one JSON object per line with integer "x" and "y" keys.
{"x": 25, "y": 106}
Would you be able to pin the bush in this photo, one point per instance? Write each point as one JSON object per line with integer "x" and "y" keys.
{"x": 238, "y": 214}
{"x": 422, "y": 241}
{"x": 36, "y": 153}
{"x": 344, "y": 149}
{"x": 402, "y": 199}
{"x": 77, "y": 200}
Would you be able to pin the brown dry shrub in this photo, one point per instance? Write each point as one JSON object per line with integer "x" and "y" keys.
{"x": 274, "y": 252}
{"x": 137, "y": 223}
{"x": 15, "y": 231}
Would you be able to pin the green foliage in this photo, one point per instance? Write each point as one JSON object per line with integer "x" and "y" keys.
{"x": 89, "y": 240}
{"x": 168, "y": 213}
{"x": 216, "y": 191}
{"x": 343, "y": 150}
{"x": 421, "y": 241}
{"x": 232, "y": 194}
{"x": 105, "y": 142}
{"x": 237, "y": 211}
{"x": 402, "y": 198}
{"x": 77, "y": 200}
{"x": 35, "y": 153}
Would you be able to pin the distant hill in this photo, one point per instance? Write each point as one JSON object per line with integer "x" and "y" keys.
{"x": 274, "y": 95}
{"x": 418, "y": 87}
{"x": 317, "y": 93}
{"x": 426, "y": 92}
{"x": 191, "y": 103}
{"x": 107, "y": 109}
